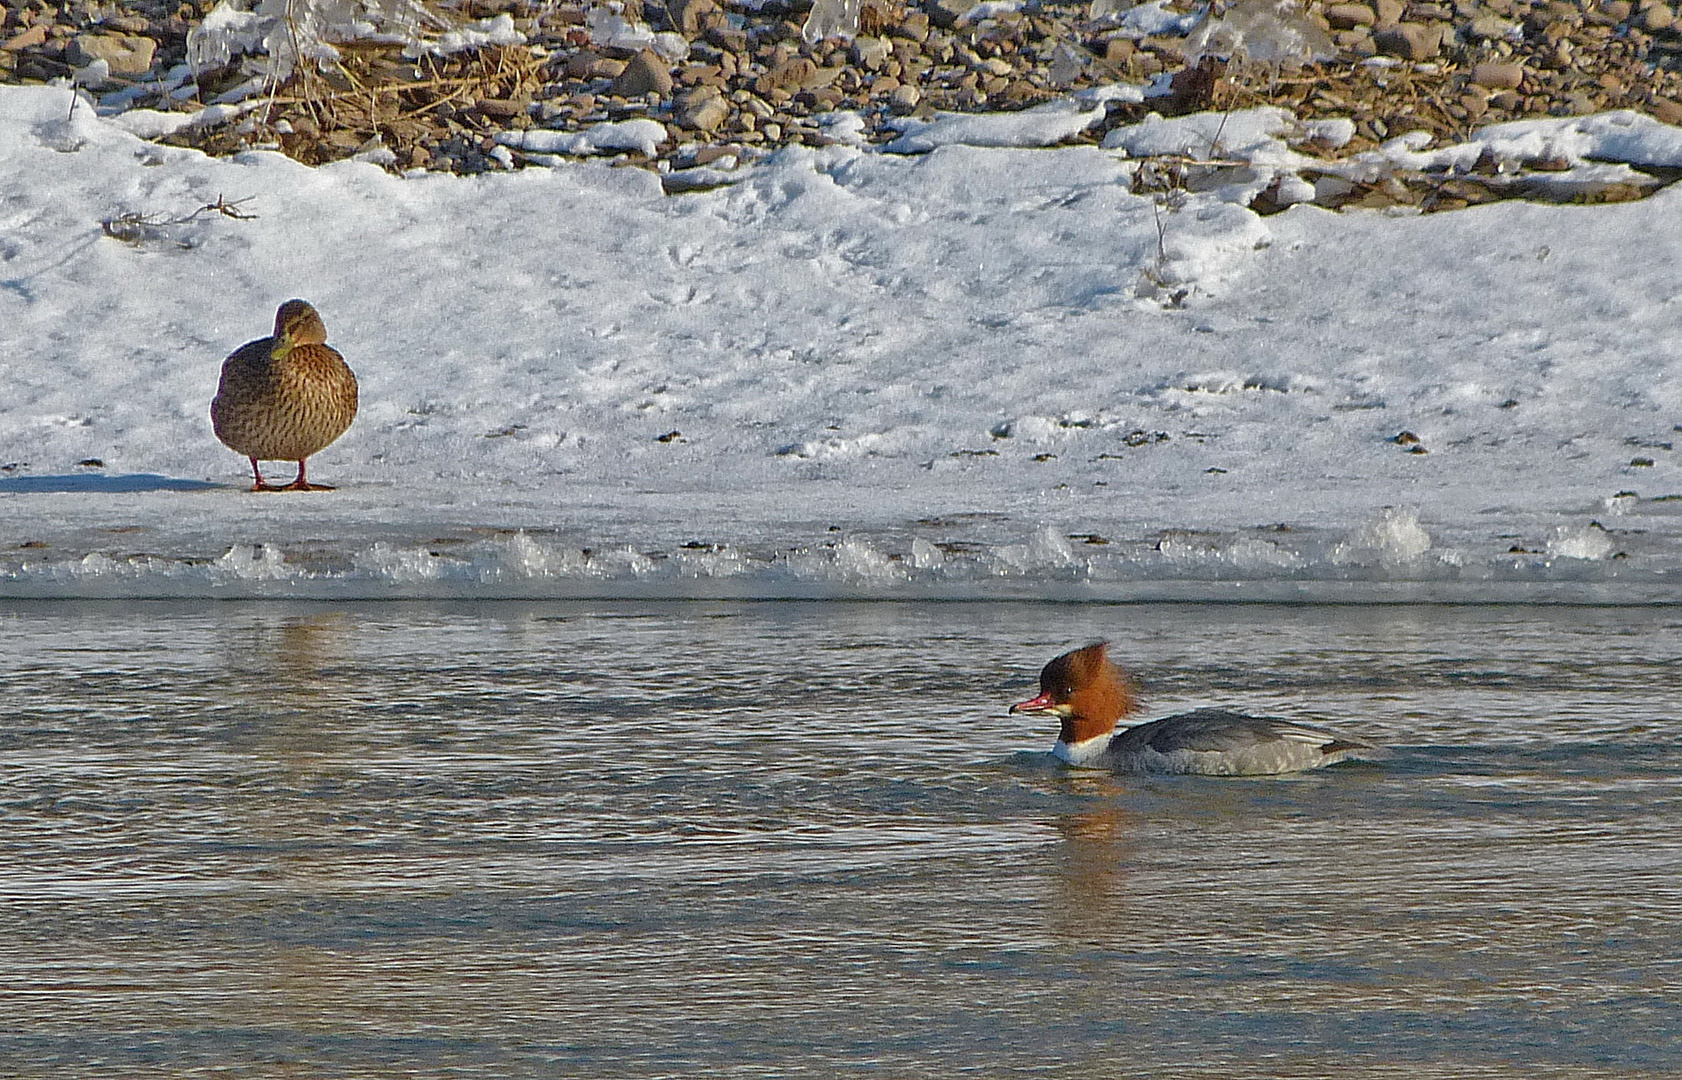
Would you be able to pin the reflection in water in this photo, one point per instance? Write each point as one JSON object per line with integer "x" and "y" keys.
{"x": 654, "y": 840}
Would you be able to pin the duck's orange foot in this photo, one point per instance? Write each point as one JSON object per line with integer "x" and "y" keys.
{"x": 305, "y": 485}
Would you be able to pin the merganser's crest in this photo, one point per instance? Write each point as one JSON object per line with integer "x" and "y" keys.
{"x": 1089, "y": 695}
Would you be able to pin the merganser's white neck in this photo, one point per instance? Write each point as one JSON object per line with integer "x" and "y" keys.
{"x": 1085, "y": 752}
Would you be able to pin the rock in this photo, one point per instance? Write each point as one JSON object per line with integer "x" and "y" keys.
{"x": 822, "y": 77}
{"x": 1119, "y": 50}
{"x": 1506, "y": 99}
{"x": 1349, "y": 16}
{"x": 1489, "y": 28}
{"x": 1617, "y": 10}
{"x": 1666, "y": 111}
{"x": 35, "y": 35}
{"x": 1388, "y": 12}
{"x": 904, "y": 100}
{"x": 723, "y": 37}
{"x": 788, "y": 76}
{"x": 1410, "y": 41}
{"x": 702, "y": 110}
{"x": 946, "y": 13}
{"x": 647, "y": 73}
{"x": 1498, "y": 76}
{"x": 588, "y": 65}
{"x": 127, "y": 54}
{"x": 701, "y": 75}
{"x": 500, "y": 108}
{"x": 822, "y": 99}
{"x": 1655, "y": 18}
{"x": 914, "y": 27}
{"x": 692, "y": 18}
{"x": 871, "y": 53}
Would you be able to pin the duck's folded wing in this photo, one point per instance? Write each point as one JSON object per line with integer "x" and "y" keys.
{"x": 1222, "y": 731}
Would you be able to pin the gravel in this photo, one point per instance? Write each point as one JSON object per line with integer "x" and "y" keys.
{"x": 750, "y": 84}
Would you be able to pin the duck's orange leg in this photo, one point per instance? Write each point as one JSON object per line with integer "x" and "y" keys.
{"x": 303, "y": 484}
{"x": 257, "y": 476}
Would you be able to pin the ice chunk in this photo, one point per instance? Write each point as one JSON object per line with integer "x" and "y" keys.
{"x": 1587, "y": 542}
{"x": 832, "y": 19}
{"x": 1391, "y": 538}
{"x": 1262, "y": 31}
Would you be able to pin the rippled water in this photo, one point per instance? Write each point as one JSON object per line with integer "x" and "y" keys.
{"x": 547, "y": 839}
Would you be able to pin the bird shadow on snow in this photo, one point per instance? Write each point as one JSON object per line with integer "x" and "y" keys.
{"x": 107, "y": 485}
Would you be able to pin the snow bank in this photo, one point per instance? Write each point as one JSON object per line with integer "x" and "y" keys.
{"x": 977, "y": 371}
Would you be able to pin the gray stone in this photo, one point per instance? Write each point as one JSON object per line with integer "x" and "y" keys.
{"x": 871, "y": 53}
{"x": 647, "y": 73}
{"x": 702, "y": 110}
{"x": 127, "y": 54}
{"x": 904, "y": 99}
{"x": 1349, "y": 16}
{"x": 788, "y": 76}
{"x": 692, "y": 18}
{"x": 914, "y": 27}
{"x": 1655, "y": 18}
{"x": 1498, "y": 76}
{"x": 589, "y": 65}
{"x": 1410, "y": 41}
{"x": 946, "y": 13}
{"x": 1490, "y": 28}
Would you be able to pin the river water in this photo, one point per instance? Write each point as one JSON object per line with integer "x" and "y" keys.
{"x": 803, "y": 839}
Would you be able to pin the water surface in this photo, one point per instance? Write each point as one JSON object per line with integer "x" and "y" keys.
{"x": 786, "y": 839}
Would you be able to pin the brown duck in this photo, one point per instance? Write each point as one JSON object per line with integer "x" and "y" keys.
{"x": 285, "y": 397}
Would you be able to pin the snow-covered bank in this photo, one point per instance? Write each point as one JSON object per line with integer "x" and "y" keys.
{"x": 851, "y": 373}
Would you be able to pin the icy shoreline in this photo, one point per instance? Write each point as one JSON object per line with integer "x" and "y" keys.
{"x": 976, "y": 349}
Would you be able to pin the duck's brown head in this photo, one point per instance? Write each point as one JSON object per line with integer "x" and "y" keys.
{"x": 297, "y": 323}
{"x": 1088, "y": 694}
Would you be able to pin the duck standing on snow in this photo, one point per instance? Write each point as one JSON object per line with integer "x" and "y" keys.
{"x": 1089, "y": 695}
{"x": 285, "y": 397}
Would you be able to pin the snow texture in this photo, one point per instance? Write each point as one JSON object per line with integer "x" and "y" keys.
{"x": 978, "y": 371}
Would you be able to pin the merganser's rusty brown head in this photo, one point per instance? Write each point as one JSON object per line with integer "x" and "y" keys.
{"x": 1088, "y": 694}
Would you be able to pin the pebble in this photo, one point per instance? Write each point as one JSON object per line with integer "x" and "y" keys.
{"x": 1497, "y": 75}
{"x": 1349, "y": 16}
{"x": 904, "y": 100}
{"x": 691, "y": 18}
{"x": 871, "y": 53}
{"x": 1389, "y": 12}
{"x": 791, "y": 74}
{"x": 1656, "y": 17}
{"x": 749, "y": 78}
{"x": 647, "y": 73}
{"x": 1410, "y": 41}
{"x": 127, "y": 54}
{"x": 702, "y": 110}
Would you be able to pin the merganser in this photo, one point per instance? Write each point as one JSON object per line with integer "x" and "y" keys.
{"x": 1088, "y": 695}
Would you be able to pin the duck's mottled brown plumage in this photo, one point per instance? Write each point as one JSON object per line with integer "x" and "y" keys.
{"x": 286, "y": 397}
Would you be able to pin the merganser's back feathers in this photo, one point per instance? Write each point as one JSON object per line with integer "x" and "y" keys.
{"x": 1088, "y": 695}
{"x": 1218, "y": 742}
